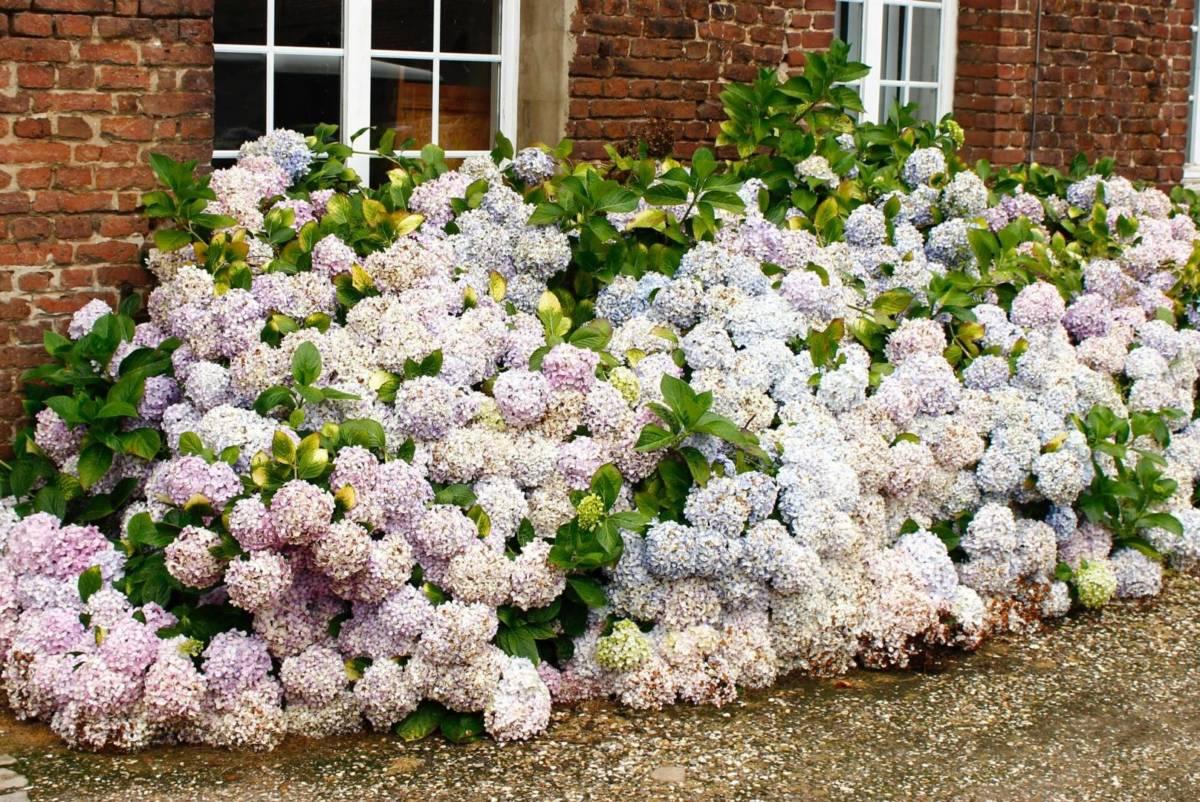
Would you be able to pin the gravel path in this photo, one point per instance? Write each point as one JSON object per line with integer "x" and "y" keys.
{"x": 1101, "y": 707}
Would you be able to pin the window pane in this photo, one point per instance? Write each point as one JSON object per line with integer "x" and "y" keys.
{"x": 894, "y": 21}
{"x": 240, "y": 112}
{"x": 402, "y": 24}
{"x": 378, "y": 172}
{"x": 240, "y": 22}
{"x": 308, "y": 91}
{"x": 465, "y": 116}
{"x": 470, "y": 26}
{"x": 849, "y": 27}
{"x": 402, "y": 98}
{"x": 308, "y": 23}
{"x": 923, "y": 65}
{"x": 928, "y": 101}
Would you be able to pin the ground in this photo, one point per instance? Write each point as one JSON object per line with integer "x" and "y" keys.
{"x": 1100, "y": 707}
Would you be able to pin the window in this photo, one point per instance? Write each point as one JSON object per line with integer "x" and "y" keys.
{"x": 442, "y": 71}
{"x": 910, "y": 47}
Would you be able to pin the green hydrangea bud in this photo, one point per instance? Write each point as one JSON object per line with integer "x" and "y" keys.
{"x": 624, "y": 649}
{"x": 590, "y": 510}
{"x": 488, "y": 415}
{"x": 956, "y": 133}
{"x": 1095, "y": 583}
{"x": 626, "y": 383}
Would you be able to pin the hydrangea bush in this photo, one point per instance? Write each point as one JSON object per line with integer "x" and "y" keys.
{"x": 438, "y": 454}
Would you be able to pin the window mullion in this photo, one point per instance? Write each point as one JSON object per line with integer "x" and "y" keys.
{"x": 436, "y": 89}
{"x": 947, "y": 57}
{"x": 872, "y": 53}
{"x": 270, "y": 117}
{"x": 510, "y": 44}
{"x": 906, "y": 54}
{"x": 356, "y": 78}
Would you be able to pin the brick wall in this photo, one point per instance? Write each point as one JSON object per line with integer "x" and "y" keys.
{"x": 88, "y": 88}
{"x": 1112, "y": 79}
{"x": 643, "y": 60}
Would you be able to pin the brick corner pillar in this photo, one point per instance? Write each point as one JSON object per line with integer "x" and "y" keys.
{"x": 665, "y": 62}
{"x": 88, "y": 89}
{"x": 1111, "y": 79}
{"x": 993, "y": 82}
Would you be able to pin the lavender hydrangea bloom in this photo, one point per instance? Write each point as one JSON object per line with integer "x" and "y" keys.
{"x": 85, "y": 318}
{"x": 533, "y": 165}
{"x": 285, "y": 148}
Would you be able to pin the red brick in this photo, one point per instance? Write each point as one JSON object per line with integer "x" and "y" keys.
{"x": 73, "y": 128}
{"x": 32, "y": 128}
{"x": 35, "y": 76}
{"x": 13, "y": 49}
{"x": 139, "y": 129}
{"x": 122, "y": 78}
{"x": 72, "y": 26}
{"x": 34, "y": 152}
{"x": 108, "y": 52}
{"x": 32, "y": 24}
{"x": 75, "y": 6}
{"x": 106, "y": 252}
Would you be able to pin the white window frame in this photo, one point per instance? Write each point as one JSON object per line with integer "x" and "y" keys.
{"x": 356, "y": 54}
{"x": 872, "y": 85}
{"x": 1191, "y": 167}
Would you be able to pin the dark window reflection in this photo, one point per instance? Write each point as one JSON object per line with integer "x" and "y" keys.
{"x": 240, "y": 108}
{"x": 308, "y": 91}
{"x": 470, "y": 26}
{"x": 309, "y": 23}
{"x": 240, "y": 22}
{"x": 403, "y": 24}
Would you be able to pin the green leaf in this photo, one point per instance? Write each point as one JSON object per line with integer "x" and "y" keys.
{"x": 458, "y": 495}
{"x": 89, "y": 582}
{"x": 94, "y": 462}
{"x": 606, "y": 483}
{"x": 525, "y": 533}
{"x": 503, "y": 149}
{"x": 52, "y": 500}
{"x": 1161, "y": 520}
{"x": 697, "y": 464}
{"x": 306, "y": 364}
{"x": 545, "y": 214}
{"x": 283, "y": 448}
{"x": 362, "y": 432}
{"x": 431, "y": 365}
{"x": 518, "y": 642}
{"x": 893, "y": 302}
{"x": 171, "y": 239}
{"x": 311, "y": 395}
{"x": 142, "y": 531}
{"x": 589, "y": 591}
{"x": 703, "y": 163}
{"x": 680, "y": 397}
{"x": 66, "y": 408}
{"x": 462, "y": 727}
{"x": 144, "y": 443}
{"x": 724, "y": 428}
{"x": 633, "y": 521}
{"x": 593, "y": 335}
{"x": 653, "y": 437}
{"x": 273, "y": 397}
{"x": 190, "y": 444}
{"x": 420, "y": 723}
